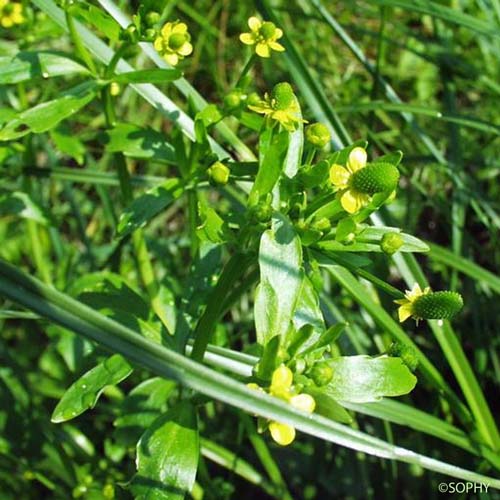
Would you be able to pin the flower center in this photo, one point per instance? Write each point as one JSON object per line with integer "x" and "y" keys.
{"x": 267, "y": 30}
{"x": 282, "y": 96}
{"x": 176, "y": 41}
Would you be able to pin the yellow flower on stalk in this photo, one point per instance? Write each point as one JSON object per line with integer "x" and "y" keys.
{"x": 264, "y": 36}
{"x": 351, "y": 199}
{"x": 173, "y": 43}
{"x": 358, "y": 181}
{"x": 11, "y": 13}
{"x": 406, "y": 305}
{"x": 280, "y": 106}
{"x": 281, "y": 387}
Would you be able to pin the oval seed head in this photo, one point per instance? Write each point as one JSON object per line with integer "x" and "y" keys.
{"x": 406, "y": 352}
{"x": 177, "y": 40}
{"x": 219, "y": 173}
{"x": 282, "y": 95}
{"x": 375, "y": 178}
{"x": 318, "y": 135}
{"x": 437, "y": 305}
{"x": 267, "y": 30}
{"x": 391, "y": 243}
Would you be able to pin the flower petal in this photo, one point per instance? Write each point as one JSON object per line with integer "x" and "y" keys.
{"x": 277, "y": 46}
{"x": 180, "y": 28}
{"x": 166, "y": 30}
{"x": 247, "y": 38}
{"x": 262, "y": 50}
{"x": 185, "y": 49}
{"x": 352, "y": 201}
{"x": 278, "y": 33}
{"x": 158, "y": 44}
{"x": 357, "y": 159}
{"x": 303, "y": 402}
{"x": 339, "y": 176}
{"x": 282, "y": 378}
{"x": 404, "y": 312}
{"x": 254, "y": 23}
{"x": 172, "y": 59}
{"x": 283, "y": 434}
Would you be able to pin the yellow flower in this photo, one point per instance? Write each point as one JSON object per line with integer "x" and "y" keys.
{"x": 406, "y": 305}
{"x": 281, "y": 387}
{"x": 280, "y": 106}
{"x": 173, "y": 43}
{"x": 11, "y": 13}
{"x": 264, "y": 36}
{"x": 351, "y": 199}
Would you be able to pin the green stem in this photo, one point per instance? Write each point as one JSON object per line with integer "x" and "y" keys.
{"x": 245, "y": 70}
{"x": 36, "y": 248}
{"x": 77, "y": 42}
{"x": 233, "y": 270}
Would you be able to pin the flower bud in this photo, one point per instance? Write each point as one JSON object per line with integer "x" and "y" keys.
{"x": 321, "y": 374}
{"x": 253, "y": 99}
{"x": 233, "y": 99}
{"x": 151, "y": 18}
{"x": 318, "y": 135}
{"x": 375, "y": 178}
{"x": 391, "y": 243}
{"x": 219, "y": 173}
{"x": 437, "y": 305}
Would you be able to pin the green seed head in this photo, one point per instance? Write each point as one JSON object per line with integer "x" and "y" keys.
{"x": 219, "y": 173}
{"x": 321, "y": 374}
{"x": 376, "y": 178}
{"x": 283, "y": 95}
{"x": 318, "y": 135}
{"x": 177, "y": 40}
{"x": 391, "y": 243}
{"x": 267, "y": 30}
{"x": 437, "y": 305}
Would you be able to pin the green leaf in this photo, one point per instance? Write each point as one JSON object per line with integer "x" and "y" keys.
{"x": 146, "y": 206}
{"x": 328, "y": 407}
{"x": 308, "y": 312}
{"x": 155, "y": 75}
{"x": 138, "y": 142}
{"x": 271, "y": 166}
{"x": 47, "y": 115}
{"x": 21, "y": 205}
{"x": 167, "y": 456}
{"x": 68, "y": 144}
{"x": 280, "y": 260}
{"x": 99, "y": 18}
{"x": 213, "y": 227}
{"x": 84, "y": 393}
{"x": 361, "y": 379}
{"x": 141, "y": 408}
{"x": 27, "y": 66}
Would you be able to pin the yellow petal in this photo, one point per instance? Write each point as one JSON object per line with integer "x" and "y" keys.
{"x": 282, "y": 378}
{"x": 172, "y": 59}
{"x": 262, "y": 50}
{"x": 357, "y": 159}
{"x": 303, "y": 402}
{"x": 339, "y": 176}
{"x": 166, "y": 30}
{"x": 283, "y": 434}
{"x": 247, "y": 38}
{"x": 158, "y": 44}
{"x": 180, "y": 28}
{"x": 402, "y": 301}
{"x": 276, "y": 46}
{"x": 278, "y": 33}
{"x": 404, "y": 312}
{"x": 185, "y": 49}
{"x": 254, "y": 23}
{"x": 261, "y": 109}
{"x": 350, "y": 201}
